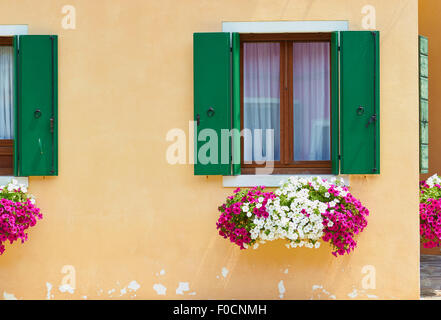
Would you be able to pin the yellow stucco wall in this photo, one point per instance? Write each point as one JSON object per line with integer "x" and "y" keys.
{"x": 118, "y": 212}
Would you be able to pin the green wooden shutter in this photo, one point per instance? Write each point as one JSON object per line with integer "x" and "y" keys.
{"x": 424, "y": 103}
{"x": 212, "y": 103}
{"x": 359, "y": 102}
{"x": 36, "y": 106}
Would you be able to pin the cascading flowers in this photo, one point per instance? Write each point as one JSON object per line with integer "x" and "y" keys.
{"x": 237, "y": 214}
{"x": 17, "y": 213}
{"x": 302, "y": 211}
{"x": 430, "y": 212}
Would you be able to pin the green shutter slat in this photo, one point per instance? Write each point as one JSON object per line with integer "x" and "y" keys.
{"x": 424, "y": 103}
{"x": 423, "y": 45}
{"x": 359, "y": 102}
{"x": 424, "y": 132}
{"x": 424, "y": 110}
{"x": 424, "y": 66}
{"x": 424, "y": 88}
{"x": 334, "y": 104}
{"x": 37, "y": 129}
{"x": 212, "y": 89}
{"x": 424, "y": 158}
{"x": 236, "y": 102}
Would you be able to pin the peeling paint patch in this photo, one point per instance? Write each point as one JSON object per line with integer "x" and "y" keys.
{"x": 161, "y": 273}
{"x": 49, "y": 288}
{"x": 372, "y": 296}
{"x": 225, "y": 272}
{"x": 160, "y": 289}
{"x": 9, "y": 296}
{"x": 183, "y": 286}
{"x": 353, "y": 294}
{"x": 192, "y": 293}
{"x": 66, "y": 288}
{"x": 282, "y": 289}
{"x": 111, "y": 291}
{"x": 286, "y": 271}
{"x": 133, "y": 286}
{"x": 322, "y": 290}
{"x": 84, "y": 297}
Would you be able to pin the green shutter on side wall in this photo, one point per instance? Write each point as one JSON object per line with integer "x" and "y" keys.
{"x": 359, "y": 102}
{"x": 36, "y": 112}
{"x": 424, "y": 103}
{"x": 212, "y": 103}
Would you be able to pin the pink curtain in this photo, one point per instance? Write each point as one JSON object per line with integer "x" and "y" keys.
{"x": 261, "y": 73}
{"x": 311, "y": 96}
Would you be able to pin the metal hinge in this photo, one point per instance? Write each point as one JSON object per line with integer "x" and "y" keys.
{"x": 52, "y": 125}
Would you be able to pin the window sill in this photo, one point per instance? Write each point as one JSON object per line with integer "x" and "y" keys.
{"x": 270, "y": 180}
{"x": 4, "y": 180}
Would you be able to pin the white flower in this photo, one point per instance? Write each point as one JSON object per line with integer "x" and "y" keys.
{"x": 287, "y": 218}
{"x": 245, "y": 208}
{"x": 249, "y": 214}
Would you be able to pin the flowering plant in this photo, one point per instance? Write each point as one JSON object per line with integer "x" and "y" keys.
{"x": 302, "y": 211}
{"x": 236, "y": 219}
{"x": 17, "y": 213}
{"x": 430, "y": 212}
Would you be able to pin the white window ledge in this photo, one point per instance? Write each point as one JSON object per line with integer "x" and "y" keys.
{"x": 4, "y": 180}
{"x": 248, "y": 180}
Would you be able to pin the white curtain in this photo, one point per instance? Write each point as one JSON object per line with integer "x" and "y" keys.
{"x": 311, "y": 101}
{"x": 261, "y": 76}
{"x": 6, "y": 92}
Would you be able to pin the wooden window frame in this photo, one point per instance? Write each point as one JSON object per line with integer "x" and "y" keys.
{"x": 286, "y": 164}
{"x": 6, "y": 145}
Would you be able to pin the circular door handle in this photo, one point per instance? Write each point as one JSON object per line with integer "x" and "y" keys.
{"x": 37, "y": 113}
{"x": 210, "y": 112}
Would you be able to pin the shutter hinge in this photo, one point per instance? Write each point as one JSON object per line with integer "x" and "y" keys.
{"x": 339, "y": 157}
{"x": 338, "y": 48}
{"x": 52, "y": 125}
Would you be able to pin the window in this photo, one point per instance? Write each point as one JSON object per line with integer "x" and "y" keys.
{"x": 285, "y": 102}
{"x": 305, "y": 102}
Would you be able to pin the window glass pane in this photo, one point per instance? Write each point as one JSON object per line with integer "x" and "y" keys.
{"x": 311, "y": 67}
{"x": 261, "y": 76}
{"x": 6, "y": 92}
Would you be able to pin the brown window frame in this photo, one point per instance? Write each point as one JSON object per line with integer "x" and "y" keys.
{"x": 6, "y": 145}
{"x": 286, "y": 164}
